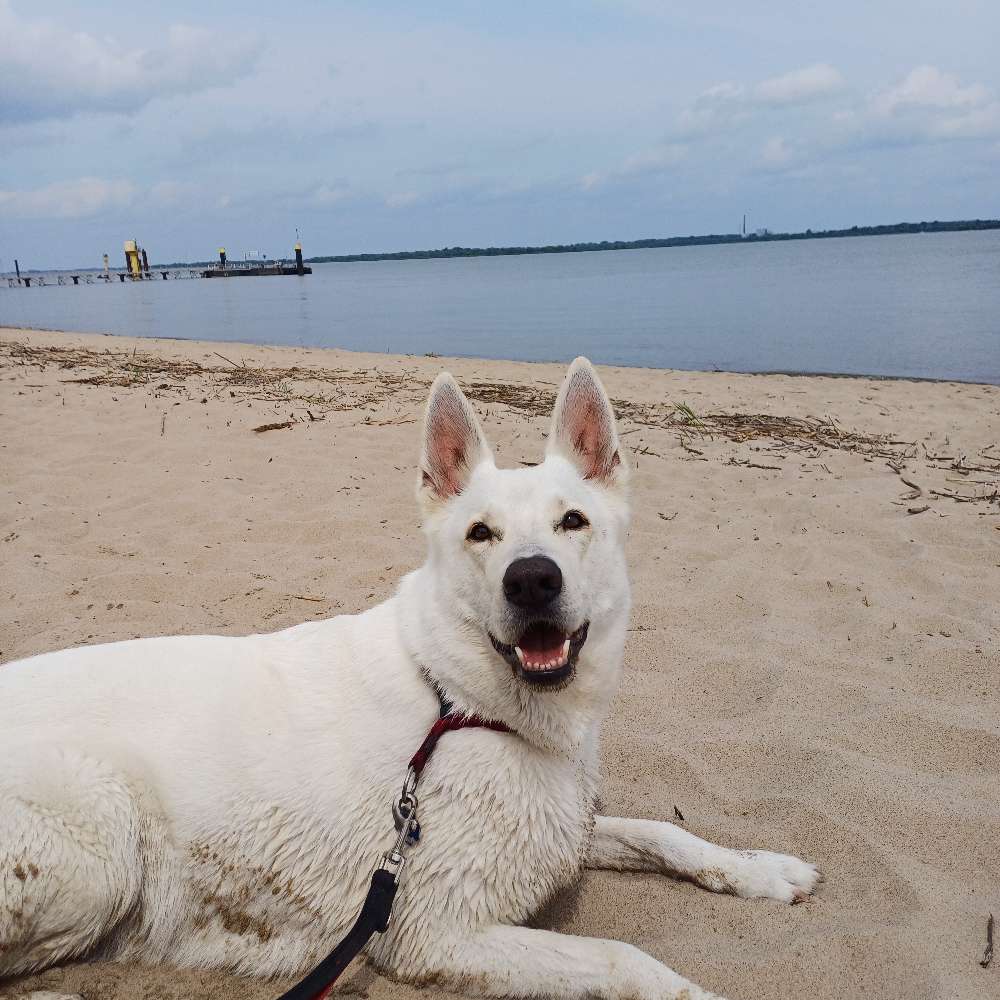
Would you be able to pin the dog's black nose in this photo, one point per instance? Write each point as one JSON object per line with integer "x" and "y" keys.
{"x": 532, "y": 583}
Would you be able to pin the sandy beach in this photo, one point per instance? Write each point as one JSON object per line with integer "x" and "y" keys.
{"x": 813, "y": 664}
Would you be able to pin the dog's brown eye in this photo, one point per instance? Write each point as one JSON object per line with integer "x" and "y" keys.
{"x": 479, "y": 532}
{"x": 573, "y": 520}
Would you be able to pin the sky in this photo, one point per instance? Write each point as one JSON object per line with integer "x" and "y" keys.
{"x": 385, "y": 126}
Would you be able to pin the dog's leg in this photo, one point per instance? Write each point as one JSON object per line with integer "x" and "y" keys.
{"x": 70, "y": 864}
{"x": 503, "y": 961}
{"x": 648, "y": 846}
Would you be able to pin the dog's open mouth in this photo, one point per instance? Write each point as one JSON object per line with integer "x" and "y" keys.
{"x": 544, "y": 654}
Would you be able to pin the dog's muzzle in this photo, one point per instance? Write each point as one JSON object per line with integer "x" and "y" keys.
{"x": 544, "y": 655}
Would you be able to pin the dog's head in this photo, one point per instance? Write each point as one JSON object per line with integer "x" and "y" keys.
{"x": 529, "y": 562}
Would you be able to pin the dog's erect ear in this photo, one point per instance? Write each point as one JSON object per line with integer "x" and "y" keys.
{"x": 583, "y": 427}
{"x": 454, "y": 443}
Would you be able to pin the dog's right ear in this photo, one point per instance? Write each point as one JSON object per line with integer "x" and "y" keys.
{"x": 583, "y": 428}
{"x": 454, "y": 443}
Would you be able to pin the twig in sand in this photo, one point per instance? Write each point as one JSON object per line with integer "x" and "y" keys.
{"x": 273, "y": 427}
{"x": 224, "y": 358}
{"x": 917, "y": 510}
{"x": 753, "y": 465}
{"x": 988, "y": 954}
{"x": 163, "y": 425}
{"x": 678, "y": 814}
{"x": 306, "y": 597}
{"x": 687, "y": 447}
{"x": 918, "y": 490}
{"x": 959, "y": 498}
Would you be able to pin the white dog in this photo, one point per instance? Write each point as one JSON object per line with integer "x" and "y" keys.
{"x": 220, "y": 803}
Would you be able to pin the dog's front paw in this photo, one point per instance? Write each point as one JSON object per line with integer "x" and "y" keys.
{"x": 764, "y": 874}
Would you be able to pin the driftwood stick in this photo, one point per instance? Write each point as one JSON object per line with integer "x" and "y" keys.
{"x": 273, "y": 427}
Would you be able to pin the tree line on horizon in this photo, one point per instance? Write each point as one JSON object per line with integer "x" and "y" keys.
{"x": 761, "y": 236}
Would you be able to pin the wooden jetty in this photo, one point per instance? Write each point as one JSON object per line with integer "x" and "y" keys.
{"x": 137, "y": 269}
{"x": 253, "y": 269}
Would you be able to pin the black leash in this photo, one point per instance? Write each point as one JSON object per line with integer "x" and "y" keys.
{"x": 374, "y": 917}
{"x": 377, "y": 907}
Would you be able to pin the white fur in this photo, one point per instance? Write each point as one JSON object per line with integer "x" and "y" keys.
{"x": 220, "y": 802}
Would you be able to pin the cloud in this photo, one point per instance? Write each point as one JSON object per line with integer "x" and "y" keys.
{"x": 401, "y": 199}
{"x": 48, "y": 70}
{"x": 798, "y": 87}
{"x": 173, "y": 192}
{"x": 776, "y": 154}
{"x": 652, "y": 161}
{"x": 928, "y": 87}
{"x": 927, "y": 105}
{"x": 728, "y": 103}
{"x": 75, "y": 199}
{"x": 326, "y": 195}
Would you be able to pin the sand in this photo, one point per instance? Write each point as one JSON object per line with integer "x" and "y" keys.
{"x": 810, "y": 668}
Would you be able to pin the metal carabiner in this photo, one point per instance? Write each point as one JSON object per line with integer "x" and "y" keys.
{"x": 404, "y": 811}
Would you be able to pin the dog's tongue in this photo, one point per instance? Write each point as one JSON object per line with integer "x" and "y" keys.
{"x": 542, "y": 647}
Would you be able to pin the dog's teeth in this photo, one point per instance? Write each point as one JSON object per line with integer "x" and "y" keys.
{"x": 565, "y": 651}
{"x": 520, "y": 655}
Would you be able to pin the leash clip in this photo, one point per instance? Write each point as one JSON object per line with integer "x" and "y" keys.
{"x": 404, "y": 812}
{"x": 393, "y": 862}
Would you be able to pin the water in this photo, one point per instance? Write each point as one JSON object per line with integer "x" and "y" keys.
{"x": 923, "y": 306}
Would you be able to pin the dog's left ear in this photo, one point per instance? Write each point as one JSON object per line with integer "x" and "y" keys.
{"x": 583, "y": 427}
{"x": 454, "y": 443}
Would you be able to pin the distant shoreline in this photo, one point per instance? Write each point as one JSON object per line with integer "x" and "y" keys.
{"x": 713, "y": 239}
{"x": 710, "y": 239}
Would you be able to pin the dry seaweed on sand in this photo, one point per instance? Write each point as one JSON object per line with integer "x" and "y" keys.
{"x": 371, "y": 389}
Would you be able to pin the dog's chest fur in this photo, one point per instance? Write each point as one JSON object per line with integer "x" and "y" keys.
{"x": 503, "y": 827}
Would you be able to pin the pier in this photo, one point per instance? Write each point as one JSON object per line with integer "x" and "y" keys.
{"x": 137, "y": 268}
{"x": 254, "y": 269}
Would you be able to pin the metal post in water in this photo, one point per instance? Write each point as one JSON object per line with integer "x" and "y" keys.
{"x": 298, "y": 258}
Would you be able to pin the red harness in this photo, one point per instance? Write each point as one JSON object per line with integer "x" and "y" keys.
{"x": 446, "y": 724}
{"x": 374, "y": 916}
